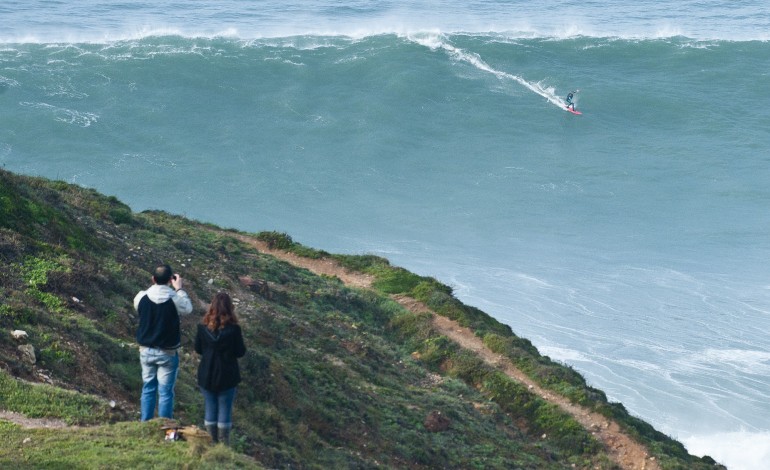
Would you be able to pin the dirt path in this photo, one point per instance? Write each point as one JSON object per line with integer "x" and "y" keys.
{"x": 30, "y": 423}
{"x": 626, "y": 452}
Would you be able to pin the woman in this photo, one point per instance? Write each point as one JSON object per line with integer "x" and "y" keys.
{"x": 220, "y": 343}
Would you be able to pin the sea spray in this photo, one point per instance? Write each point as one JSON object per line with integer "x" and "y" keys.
{"x": 437, "y": 41}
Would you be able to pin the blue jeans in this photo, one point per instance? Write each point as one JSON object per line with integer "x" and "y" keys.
{"x": 219, "y": 407}
{"x": 159, "y": 371}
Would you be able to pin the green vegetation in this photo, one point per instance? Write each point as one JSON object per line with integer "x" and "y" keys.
{"x": 46, "y": 401}
{"x": 334, "y": 377}
{"x": 122, "y": 445}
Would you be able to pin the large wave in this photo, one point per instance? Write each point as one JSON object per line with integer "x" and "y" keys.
{"x": 80, "y": 22}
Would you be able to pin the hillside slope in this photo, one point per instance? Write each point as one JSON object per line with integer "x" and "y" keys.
{"x": 338, "y": 374}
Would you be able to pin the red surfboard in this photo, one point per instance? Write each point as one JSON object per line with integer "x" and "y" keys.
{"x": 573, "y": 111}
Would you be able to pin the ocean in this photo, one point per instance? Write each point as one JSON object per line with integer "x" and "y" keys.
{"x": 630, "y": 242}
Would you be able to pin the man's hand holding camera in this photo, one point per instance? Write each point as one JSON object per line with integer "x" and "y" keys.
{"x": 176, "y": 282}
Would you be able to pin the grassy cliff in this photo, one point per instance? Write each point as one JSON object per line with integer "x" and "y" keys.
{"x": 334, "y": 377}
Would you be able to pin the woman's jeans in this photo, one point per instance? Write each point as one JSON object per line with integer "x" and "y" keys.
{"x": 219, "y": 407}
{"x": 159, "y": 371}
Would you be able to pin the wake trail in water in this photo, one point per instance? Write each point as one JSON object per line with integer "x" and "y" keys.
{"x": 435, "y": 42}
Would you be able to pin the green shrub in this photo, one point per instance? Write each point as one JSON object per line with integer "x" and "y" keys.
{"x": 467, "y": 366}
{"x": 568, "y": 434}
{"x": 436, "y": 350}
{"x": 510, "y": 346}
{"x": 34, "y": 270}
{"x": 362, "y": 263}
{"x": 427, "y": 287}
{"x": 413, "y": 327}
{"x": 15, "y": 315}
{"x": 51, "y": 301}
{"x": 396, "y": 281}
{"x": 121, "y": 215}
{"x": 282, "y": 241}
{"x": 276, "y": 240}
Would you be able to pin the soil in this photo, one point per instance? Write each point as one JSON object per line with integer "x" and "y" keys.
{"x": 623, "y": 450}
{"x": 29, "y": 423}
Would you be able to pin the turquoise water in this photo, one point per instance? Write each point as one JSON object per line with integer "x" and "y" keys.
{"x": 630, "y": 242}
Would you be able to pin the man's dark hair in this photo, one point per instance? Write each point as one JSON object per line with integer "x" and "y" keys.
{"x": 162, "y": 274}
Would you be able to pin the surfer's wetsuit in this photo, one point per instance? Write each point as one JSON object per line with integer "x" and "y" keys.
{"x": 569, "y": 100}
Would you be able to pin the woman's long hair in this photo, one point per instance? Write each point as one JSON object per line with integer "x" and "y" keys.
{"x": 221, "y": 313}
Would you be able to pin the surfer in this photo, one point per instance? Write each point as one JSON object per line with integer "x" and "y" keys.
{"x": 570, "y": 104}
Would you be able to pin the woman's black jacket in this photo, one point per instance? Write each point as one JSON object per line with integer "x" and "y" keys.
{"x": 220, "y": 351}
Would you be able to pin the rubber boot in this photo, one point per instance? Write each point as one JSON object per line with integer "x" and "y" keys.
{"x": 224, "y": 436}
{"x": 212, "y": 429}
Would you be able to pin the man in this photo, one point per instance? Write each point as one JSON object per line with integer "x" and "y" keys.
{"x": 159, "y": 339}
{"x": 570, "y": 104}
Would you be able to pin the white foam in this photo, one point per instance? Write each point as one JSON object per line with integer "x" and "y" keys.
{"x": 6, "y": 82}
{"x": 532, "y": 280}
{"x": 563, "y": 354}
{"x": 645, "y": 366}
{"x": 66, "y": 115}
{"x": 742, "y": 360}
{"x": 436, "y": 41}
{"x": 358, "y": 33}
{"x": 740, "y": 450}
